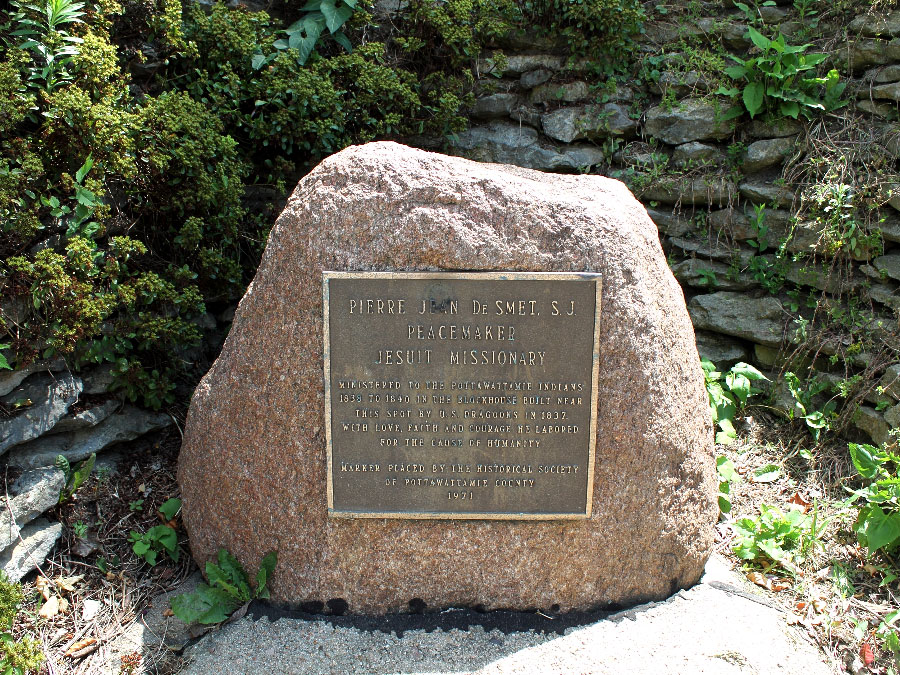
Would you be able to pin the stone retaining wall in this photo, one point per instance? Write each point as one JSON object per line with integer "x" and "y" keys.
{"x": 48, "y": 412}
{"x": 702, "y": 179}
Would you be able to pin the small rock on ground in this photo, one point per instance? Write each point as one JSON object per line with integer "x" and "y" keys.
{"x": 30, "y": 495}
{"x": 37, "y": 538}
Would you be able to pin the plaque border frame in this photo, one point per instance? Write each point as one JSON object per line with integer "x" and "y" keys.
{"x": 596, "y": 277}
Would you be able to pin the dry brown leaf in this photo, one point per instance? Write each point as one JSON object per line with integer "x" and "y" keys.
{"x": 801, "y": 501}
{"x": 68, "y": 583}
{"x": 63, "y": 605}
{"x": 82, "y": 648}
{"x": 759, "y": 579}
{"x": 50, "y": 608}
{"x": 780, "y": 585}
{"x": 43, "y": 585}
{"x": 776, "y": 584}
{"x": 168, "y": 612}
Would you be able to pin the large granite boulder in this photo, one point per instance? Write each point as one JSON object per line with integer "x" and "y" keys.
{"x": 253, "y": 464}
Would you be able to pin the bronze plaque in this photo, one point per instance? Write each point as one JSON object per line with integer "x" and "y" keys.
{"x": 461, "y": 395}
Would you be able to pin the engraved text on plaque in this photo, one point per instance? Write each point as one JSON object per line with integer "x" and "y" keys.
{"x": 461, "y": 395}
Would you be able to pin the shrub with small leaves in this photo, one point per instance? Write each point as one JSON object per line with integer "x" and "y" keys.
{"x": 17, "y": 656}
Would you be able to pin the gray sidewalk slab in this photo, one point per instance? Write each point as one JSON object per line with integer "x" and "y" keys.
{"x": 720, "y": 626}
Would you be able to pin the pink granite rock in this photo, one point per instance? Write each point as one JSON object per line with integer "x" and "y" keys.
{"x": 253, "y": 464}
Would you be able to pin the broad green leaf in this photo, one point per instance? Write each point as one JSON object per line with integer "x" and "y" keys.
{"x": 774, "y": 550}
{"x": 85, "y": 168}
{"x": 727, "y": 433}
{"x": 295, "y": 39}
{"x": 733, "y": 112}
{"x": 812, "y": 60}
{"x": 726, "y": 408}
{"x": 735, "y": 72}
{"x": 335, "y": 16}
{"x": 724, "y": 504}
{"x": 748, "y": 371}
{"x": 266, "y": 566}
{"x": 758, "y": 38}
{"x": 778, "y": 44}
{"x": 207, "y": 605}
{"x": 754, "y": 95}
{"x": 170, "y": 507}
{"x": 85, "y": 197}
{"x": 258, "y": 61}
{"x": 343, "y": 41}
{"x": 865, "y": 459}
{"x": 882, "y": 529}
{"x": 189, "y": 607}
{"x": 82, "y": 472}
{"x": 739, "y": 386}
{"x": 329, "y": 11}
{"x": 313, "y": 27}
{"x": 790, "y": 109}
{"x": 767, "y": 474}
{"x": 234, "y": 573}
{"x": 166, "y": 537}
{"x": 725, "y": 468}
{"x": 218, "y": 578}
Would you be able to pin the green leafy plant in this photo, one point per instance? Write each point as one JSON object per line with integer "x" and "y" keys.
{"x": 304, "y": 33}
{"x": 834, "y": 210}
{"x": 782, "y": 537}
{"x": 877, "y": 525}
{"x": 74, "y": 477}
{"x": 818, "y": 419}
{"x": 18, "y": 656}
{"x": 170, "y": 508}
{"x": 708, "y": 277}
{"x": 758, "y": 222}
{"x": 159, "y": 538}
{"x": 228, "y": 589}
{"x": 729, "y": 394}
{"x": 768, "y": 271}
{"x": 778, "y": 81}
{"x": 727, "y": 476}
{"x": 42, "y": 26}
{"x": 4, "y": 364}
